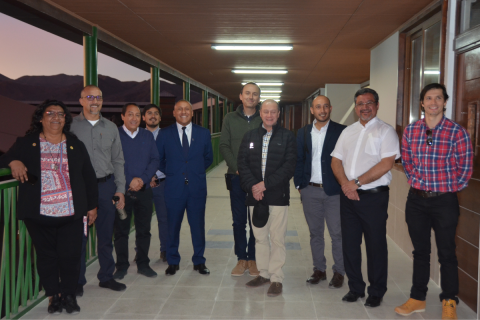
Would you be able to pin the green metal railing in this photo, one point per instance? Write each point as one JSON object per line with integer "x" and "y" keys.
{"x": 20, "y": 288}
{"x": 217, "y": 157}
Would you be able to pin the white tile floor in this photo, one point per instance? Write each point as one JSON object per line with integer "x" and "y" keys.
{"x": 189, "y": 295}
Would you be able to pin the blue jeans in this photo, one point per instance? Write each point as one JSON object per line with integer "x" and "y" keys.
{"x": 244, "y": 249}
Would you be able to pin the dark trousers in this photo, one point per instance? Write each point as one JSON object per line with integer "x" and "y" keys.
{"x": 105, "y": 218}
{"x": 244, "y": 248}
{"x": 367, "y": 217}
{"x": 142, "y": 207}
{"x": 195, "y": 207}
{"x": 58, "y": 246}
{"x": 161, "y": 212}
{"x": 440, "y": 213}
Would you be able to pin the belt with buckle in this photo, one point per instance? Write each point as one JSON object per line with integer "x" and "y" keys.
{"x": 373, "y": 190}
{"x": 318, "y": 185}
{"x": 104, "y": 179}
{"x": 426, "y": 194}
{"x": 186, "y": 181}
{"x": 162, "y": 179}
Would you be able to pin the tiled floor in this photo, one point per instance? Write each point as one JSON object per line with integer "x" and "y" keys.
{"x": 189, "y": 295}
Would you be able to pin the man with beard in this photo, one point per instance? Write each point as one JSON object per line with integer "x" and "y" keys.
{"x": 320, "y": 191}
{"x": 235, "y": 124}
{"x": 141, "y": 163}
{"x": 362, "y": 160}
{"x": 102, "y": 141}
{"x": 152, "y": 115}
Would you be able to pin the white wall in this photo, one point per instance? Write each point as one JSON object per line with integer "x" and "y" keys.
{"x": 341, "y": 98}
{"x": 384, "y": 77}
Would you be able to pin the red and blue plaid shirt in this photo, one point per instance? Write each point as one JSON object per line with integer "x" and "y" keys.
{"x": 444, "y": 166}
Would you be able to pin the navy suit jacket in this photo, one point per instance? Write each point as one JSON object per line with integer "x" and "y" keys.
{"x": 303, "y": 169}
{"x": 175, "y": 165}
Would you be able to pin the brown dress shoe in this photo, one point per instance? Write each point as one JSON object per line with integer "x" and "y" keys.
{"x": 317, "y": 276}
{"x": 275, "y": 289}
{"x": 337, "y": 281}
{"x": 257, "y": 282}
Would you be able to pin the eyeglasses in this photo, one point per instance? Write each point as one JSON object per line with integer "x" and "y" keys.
{"x": 368, "y": 104}
{"x": 429, "y": 137}
{"x": 52, "y": 114}
{"x": 91, "y": 98}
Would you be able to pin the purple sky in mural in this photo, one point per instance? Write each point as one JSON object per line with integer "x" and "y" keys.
{"x": 27, "y": 50}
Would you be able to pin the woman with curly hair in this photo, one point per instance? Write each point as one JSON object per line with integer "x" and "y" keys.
{"x": 58, "y": 188}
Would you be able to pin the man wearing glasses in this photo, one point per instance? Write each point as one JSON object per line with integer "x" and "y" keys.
{"x": 361, "y": 162}
{"x": 437, "y": 159}
{"x": 102, "y": 140}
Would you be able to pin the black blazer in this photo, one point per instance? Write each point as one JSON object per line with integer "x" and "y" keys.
{"x": 82, "y": 176}
{"x": 303, "y": 169}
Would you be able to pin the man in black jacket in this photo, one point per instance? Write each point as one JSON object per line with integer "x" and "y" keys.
{"x": 266, "y": 163}
{"x": 320, "y": 190}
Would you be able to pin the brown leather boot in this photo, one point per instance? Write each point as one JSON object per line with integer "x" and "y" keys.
{"x": 317, "y": 276}
{"x": 337, "y": 281}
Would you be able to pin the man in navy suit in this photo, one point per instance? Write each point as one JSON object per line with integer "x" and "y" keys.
{"x": 320, "y": 190}
{"x": 185, "y": 153}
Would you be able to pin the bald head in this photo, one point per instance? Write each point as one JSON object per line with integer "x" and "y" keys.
{"x": 89, "y": 88}
{"x": 270, "y": 101}
{"x": 269, "y": 112}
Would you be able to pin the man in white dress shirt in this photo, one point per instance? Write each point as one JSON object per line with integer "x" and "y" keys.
{"x": 361, "y": 161}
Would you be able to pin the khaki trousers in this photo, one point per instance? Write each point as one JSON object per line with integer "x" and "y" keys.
{"x": 271, "y": 260}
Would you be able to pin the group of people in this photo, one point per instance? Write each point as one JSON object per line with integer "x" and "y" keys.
{"x": 343, "y": 176}
{"x": 78, "y": 171}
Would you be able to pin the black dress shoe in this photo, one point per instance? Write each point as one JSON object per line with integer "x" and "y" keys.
{"x": 147, "y": 272}
{"x": 172, "y": 269}
{"x": 113, "y": 285}
{"x": 119, "y": 274}
{"x": 55, "y": 305}
{"x": 352, "y": 296}
{"x": 201, "y": 268}
{"x": 79, "y": 290}
{"x": 69, "y": 302}
{"x": 373, "y": 301}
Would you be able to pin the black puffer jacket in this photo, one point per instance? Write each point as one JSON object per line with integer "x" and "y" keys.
{"x": 280, "y": 166}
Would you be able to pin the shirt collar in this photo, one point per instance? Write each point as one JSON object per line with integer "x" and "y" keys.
{"x": 129, "y": 132}
{"x": 81, "y": 116}
{"x": 324, "y": 128}
{"x": 369, "y": 123}
{"x": 179, "y": 126}
{"x": 439, "y": 126}
{"x": 155, "y": 131}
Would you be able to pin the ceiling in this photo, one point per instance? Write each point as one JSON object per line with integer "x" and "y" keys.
{"x": 331, "y": 38}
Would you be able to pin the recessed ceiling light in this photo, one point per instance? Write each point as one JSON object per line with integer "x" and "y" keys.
{"x": 265, "y": 83}
{"x": 269, "y": 97}
{"x": 266, "y": 47}
{"x": 253, "y": 71}
{"x": 271, "y": 91}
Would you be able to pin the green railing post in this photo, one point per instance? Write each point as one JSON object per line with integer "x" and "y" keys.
{"x": 225, "y": 107}
{"x": 186, "y": 90}
{"x": 217, "y": 115}
{"x": 205, "y": 110}
{"x": 90, "y": 76}
{"x": 155, "y": 86}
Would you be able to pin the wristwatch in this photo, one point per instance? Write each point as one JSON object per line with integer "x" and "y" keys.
{"x": 357, "y": 182}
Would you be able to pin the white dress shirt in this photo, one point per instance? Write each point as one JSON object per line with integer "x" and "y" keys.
{"x": 318, "y": 139}
{"x": 130, "y": 134}
{"x": 188, "y": 131}
{"x": 362, "y": 147}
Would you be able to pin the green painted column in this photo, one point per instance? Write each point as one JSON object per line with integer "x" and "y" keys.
{"x": 205, "y": 110}
{"x": 186, "y": 90}
{"x": 217, "y": 114}
{"x": 155, "y": 86}
{"x": 90, "y": 72}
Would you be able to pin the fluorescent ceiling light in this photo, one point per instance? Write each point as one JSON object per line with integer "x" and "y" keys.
{"x": 265, "y": 47}
{"x": 167, "y": 81}
{"x": 431, "y": 72}
{"x": 277, "y": 100}
{"x": 265, "y": 83}
{"x": 253, "y": 71}
{"x": 271, "y": 91}
{"x": 269, "y": 97}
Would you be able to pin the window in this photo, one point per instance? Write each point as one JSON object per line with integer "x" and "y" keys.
{"x": 470, "y": 14}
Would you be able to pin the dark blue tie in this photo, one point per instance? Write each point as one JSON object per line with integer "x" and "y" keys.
{"x": 185, "y": 142}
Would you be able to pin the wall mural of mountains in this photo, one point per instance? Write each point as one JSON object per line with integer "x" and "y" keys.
{"x": 67, "y": 88}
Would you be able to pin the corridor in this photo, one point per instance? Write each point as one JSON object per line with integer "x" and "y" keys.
{"x": 189, "y": 295}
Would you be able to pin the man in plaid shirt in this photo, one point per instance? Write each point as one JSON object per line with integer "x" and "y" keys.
{"x": 437, "y": 158}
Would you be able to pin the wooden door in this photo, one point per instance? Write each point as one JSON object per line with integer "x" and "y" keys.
{"x": 467, "y": 109}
